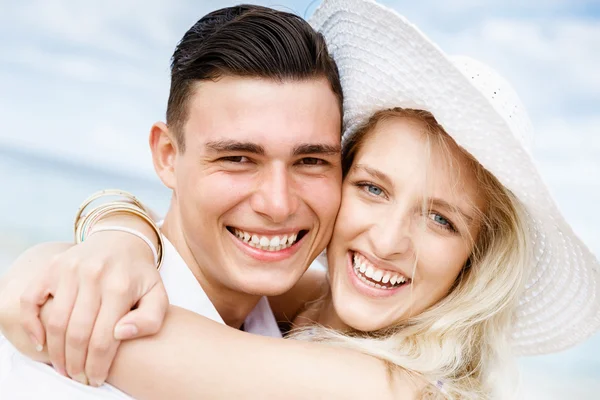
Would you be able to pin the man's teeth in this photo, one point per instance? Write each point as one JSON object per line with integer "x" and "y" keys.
{"x": 268, "y": 243}
{"x": 387, "y": 279}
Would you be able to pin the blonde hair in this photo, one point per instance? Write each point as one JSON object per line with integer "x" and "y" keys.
{"x": 461, "y": 345}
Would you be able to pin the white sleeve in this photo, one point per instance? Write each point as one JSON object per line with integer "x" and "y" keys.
{"x": 25, "y": 379}
{"x": 7, "y": 352}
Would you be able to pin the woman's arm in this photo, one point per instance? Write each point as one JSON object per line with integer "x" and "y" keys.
{"x": 193, "y": 357}
{"x": 94, "y": 284}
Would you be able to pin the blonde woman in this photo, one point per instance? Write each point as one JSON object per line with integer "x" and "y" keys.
{"x": 447, "y": 258}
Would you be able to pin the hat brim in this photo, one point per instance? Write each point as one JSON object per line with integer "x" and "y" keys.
{"x": 385, "y": 62}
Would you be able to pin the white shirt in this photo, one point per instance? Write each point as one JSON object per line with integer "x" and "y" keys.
{"x": 24, "y": 379}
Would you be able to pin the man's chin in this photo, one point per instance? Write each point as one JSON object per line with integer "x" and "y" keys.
{"x": 267, "y": 284}
{"x": 272, "y": 276}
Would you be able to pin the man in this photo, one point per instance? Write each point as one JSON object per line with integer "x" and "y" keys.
{"x": 252, "y": 146}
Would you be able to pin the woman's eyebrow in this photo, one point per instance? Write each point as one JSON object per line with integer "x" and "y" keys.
{"x": 452, "y": 208}
{"x": 375, "y": 173}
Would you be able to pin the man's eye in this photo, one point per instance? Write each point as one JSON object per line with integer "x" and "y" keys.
{"x": 235, "y": 159}
{"x": 312, "y": 161}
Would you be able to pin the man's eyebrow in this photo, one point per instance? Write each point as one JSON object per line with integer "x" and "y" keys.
{"x": 316, "y": 148}
{"x": 374, "y": 173}
{"x": 232, "y": 146}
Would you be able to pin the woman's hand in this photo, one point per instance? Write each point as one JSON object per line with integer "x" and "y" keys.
{"x": 13, "y": 284}
{"x": 95, "y": 285}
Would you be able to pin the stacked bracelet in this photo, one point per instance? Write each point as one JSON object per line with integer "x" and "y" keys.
{"x": 106, "y": 193}
{"x": 84, "y": 222}
{"x": 133, "y": 232}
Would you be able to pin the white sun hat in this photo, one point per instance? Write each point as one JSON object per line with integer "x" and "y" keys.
{"x": 386, "y": 62}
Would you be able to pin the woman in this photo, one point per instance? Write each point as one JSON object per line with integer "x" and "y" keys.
{"x": 444, "y": 246}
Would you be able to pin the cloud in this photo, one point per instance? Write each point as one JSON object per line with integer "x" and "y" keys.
{"x": 558, "y": 47}
{"x": 112, "y": 26}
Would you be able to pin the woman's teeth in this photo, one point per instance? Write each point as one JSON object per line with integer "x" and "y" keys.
{"x": 374, "y": 277}
{"x": 268, "y": 243}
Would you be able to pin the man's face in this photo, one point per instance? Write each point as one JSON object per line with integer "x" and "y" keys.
{"x": 258, "y": 185}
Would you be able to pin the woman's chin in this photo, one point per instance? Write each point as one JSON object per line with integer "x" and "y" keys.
{"x": 363, "y": 325}
{"x": 362, "y": 312}
{"x": 361, "y": 316}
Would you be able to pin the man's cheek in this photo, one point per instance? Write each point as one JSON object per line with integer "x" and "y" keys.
{"x": 325, "y": 194}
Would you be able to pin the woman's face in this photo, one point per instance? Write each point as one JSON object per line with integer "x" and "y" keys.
{"x": 406, "y": 226}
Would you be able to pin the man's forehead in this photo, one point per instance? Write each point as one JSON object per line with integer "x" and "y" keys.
{"x": 251, "y": 113}
{"x": 236, "y": 95}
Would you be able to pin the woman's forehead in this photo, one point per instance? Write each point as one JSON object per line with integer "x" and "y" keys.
{"x": 406, "y": 151}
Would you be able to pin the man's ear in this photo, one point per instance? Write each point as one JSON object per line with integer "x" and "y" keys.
{"x": 164, "y": 153}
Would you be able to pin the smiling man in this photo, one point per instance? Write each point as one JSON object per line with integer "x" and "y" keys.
{"x": 256, "y": 190}
{"x": 251, "y": 152}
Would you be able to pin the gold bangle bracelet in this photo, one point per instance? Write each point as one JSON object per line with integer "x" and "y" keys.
{"x": 107, "y": 193}
{"x": 86, "y": 222}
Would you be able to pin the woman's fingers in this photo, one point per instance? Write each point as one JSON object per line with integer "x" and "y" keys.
{"x": 103, "y": 346}
{"x": 58, "y": 319}
{"x": 79, "y": 330}
{"x": 147, "y": 318}
{"x": 31, "y": 301}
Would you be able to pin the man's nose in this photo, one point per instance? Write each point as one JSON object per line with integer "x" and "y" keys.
{"x": 275, "y": 198}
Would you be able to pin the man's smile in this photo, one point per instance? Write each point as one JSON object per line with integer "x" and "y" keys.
{"x": 268, "y": 242}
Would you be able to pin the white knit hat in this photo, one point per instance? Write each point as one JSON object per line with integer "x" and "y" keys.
{"x": 386, "y": 62}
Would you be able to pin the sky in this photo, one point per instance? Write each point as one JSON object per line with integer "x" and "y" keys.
{"x": 83, "y": 81}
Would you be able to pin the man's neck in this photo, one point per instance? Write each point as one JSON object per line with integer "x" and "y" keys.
{"x": 231, "y": 305}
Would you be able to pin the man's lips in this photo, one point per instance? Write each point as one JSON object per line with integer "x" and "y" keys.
{"x": 265, "y": 247}
{"x": 268, "y": 241}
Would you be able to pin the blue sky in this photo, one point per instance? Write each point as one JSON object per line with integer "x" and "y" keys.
{"x": 84, "y": 81}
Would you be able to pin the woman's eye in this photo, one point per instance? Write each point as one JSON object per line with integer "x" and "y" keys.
{"x": 374, "y": 190}
{"x": 371, "y": 189}
{"x": 440, "y": 220}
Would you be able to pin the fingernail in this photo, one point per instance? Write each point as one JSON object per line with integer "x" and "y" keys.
{"x": 60, "y": 370}
{"x": 81, "y": 378}
{"x": 125, "y": 331}
{"x": 38, "y": 346}
{"x": 95, "y": 383}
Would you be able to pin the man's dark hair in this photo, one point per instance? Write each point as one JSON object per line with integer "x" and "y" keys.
{"x": 246, "y": 41}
